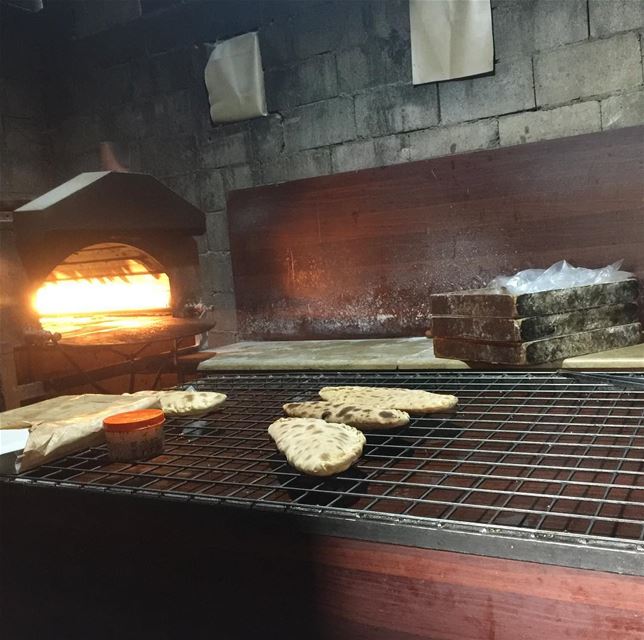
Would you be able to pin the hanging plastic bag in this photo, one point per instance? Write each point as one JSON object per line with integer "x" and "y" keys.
{"x": 235, "y": 80}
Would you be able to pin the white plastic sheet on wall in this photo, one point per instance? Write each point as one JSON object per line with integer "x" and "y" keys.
{"x": 235, "y": 80}
{"x": 450, "y": 39}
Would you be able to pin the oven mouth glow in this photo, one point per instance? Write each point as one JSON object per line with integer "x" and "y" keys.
{"x": 96, "y": 324}
{"x": 103, "y": 295}
{"x": 99, "y": 289}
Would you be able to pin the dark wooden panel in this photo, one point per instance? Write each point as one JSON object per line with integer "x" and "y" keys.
{"x": 358, "y": 254}
{"x": 455, "y": 596}
{"x": 103, "y": 566}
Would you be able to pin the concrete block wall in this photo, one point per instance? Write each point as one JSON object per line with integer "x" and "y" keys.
{"x": 25, "y": 163}
{"x": 338, "y": 85}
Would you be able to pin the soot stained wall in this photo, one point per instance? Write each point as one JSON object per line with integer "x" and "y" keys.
{"x": 338, "y": 84}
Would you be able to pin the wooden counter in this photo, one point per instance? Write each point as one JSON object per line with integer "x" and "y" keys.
{"x": 102, "y": 566}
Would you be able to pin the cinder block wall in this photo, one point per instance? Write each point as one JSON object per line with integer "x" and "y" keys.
{"x": 25, "y": 163}
{"x": 338, "y": 85}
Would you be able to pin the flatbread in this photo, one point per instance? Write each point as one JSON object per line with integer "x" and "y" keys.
{"x": 69, "y": 408}
{"x": 359, "y": 417}
{"x": 65, "y": 408}
{"x": 53, "y": 439}
{"x": 412, "y": 400}
{"x": 185, "y": 403}
{"x": 64, "y": 425}
{"x": 316, "y": 447}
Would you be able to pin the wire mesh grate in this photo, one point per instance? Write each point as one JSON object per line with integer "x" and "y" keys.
{"x": 529, "y": 452}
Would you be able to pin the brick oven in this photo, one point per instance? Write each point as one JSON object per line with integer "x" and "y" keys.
{"x": 106, "y": 258}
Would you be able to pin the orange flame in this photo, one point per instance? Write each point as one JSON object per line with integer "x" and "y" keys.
{"x": 132, "y": 292}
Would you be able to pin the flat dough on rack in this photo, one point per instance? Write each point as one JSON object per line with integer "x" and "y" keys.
{"x": 359, "y": 417}
{"x": 316, "y": 447}
{"x": 65, "y": 408}
{"x": 173, "y": 403}
{"x": 412, "y": 400}
{"x": 185, "y": 403}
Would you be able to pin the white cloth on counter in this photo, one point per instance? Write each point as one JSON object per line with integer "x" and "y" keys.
{"x": 12, "y": 440}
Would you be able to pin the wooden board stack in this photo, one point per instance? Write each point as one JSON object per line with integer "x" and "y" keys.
{"x": 532, "y": 328}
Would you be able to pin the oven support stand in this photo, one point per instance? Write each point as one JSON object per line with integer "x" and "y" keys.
{"x": 15, "y": 394}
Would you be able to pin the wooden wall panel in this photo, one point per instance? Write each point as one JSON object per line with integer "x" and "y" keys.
{"x": 452, "y": 596}
{"x": 105, "y": 566}
{"x": 358, "y": 254}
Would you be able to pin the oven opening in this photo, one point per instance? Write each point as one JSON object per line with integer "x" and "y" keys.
{"x": 103, "y": 286}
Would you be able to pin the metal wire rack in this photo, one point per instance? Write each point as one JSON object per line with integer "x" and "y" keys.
{"x": 526, "y": 454}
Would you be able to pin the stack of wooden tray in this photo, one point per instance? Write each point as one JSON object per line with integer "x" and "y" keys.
{"x": 531, "y": 328}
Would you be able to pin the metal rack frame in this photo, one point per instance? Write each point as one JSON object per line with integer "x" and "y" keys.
{"x": 532, "y": 466}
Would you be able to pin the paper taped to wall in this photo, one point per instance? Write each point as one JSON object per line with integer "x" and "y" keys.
{"x": 450, "y": 39}
{"x": 235, "y": 80}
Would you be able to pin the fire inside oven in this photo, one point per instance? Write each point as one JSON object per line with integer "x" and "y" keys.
{"x": 104, "y": 252}
{"x": 103, "y": 286}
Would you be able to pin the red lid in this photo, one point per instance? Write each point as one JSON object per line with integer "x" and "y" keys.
{"x": 131, "y": 420}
